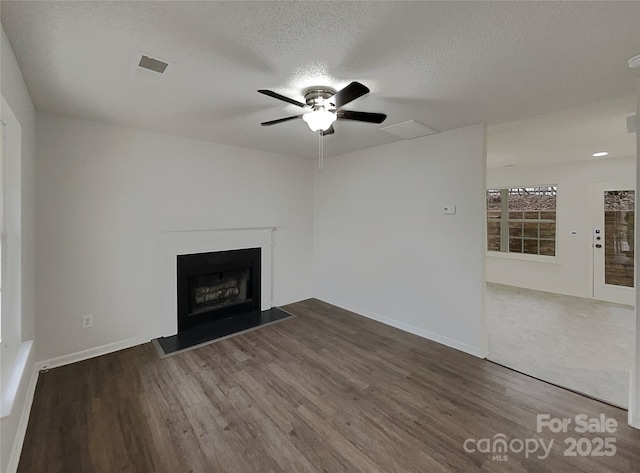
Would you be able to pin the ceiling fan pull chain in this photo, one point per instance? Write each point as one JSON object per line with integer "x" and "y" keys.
{"x": 320, "y": 151}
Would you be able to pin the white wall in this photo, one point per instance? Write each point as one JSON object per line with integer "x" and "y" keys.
{"x": 384, "y": 249}
{"x": 106, "y": 194}
{"x": 15, "y": 92}
{"x": 571, "y": 272}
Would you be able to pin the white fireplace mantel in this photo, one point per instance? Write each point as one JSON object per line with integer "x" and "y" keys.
{"x": 181, "y": 242}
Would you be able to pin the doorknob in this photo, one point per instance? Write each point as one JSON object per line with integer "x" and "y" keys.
{"x": 598, "y": 245}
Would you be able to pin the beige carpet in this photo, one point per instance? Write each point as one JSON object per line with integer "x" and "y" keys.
{"x": 581, "y": 344}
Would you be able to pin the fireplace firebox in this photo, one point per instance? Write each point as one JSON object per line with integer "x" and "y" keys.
{"x": 217, "y": 285}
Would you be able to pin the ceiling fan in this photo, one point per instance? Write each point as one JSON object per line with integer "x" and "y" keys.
{"x": 324, "y": 104}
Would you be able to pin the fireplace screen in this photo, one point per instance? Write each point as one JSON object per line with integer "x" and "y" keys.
{"x": 217, "y": 285}
{"x": 214, "y": 291}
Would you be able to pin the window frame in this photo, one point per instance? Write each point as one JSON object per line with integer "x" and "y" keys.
{"x": 504, "y": 221}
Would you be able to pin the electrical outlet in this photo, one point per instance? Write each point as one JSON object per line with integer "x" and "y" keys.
{"x": 87, "y": 321}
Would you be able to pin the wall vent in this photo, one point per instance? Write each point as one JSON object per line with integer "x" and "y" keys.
{"x": 409, "y": 130}
{"x": 145, "y": 66}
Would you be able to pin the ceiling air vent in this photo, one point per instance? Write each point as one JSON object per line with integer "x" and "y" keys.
{"x": 152, "y": 64}
{"x": 409, "y": 130}
{"x": 149, "y": 68}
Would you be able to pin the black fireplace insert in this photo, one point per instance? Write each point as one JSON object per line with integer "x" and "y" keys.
{"x": 216, "y": 285}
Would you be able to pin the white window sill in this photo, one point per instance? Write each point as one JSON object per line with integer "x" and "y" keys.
{"x": 523, "y": 257}
{"x": 14, "y": 364}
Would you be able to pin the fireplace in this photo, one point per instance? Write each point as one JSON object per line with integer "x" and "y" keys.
{"x": 216, "y": 285}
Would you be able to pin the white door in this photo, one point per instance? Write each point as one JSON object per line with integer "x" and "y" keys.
{"x": 613, "y": 242}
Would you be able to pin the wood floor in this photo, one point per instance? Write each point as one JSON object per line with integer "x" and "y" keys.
{"x": 327, "y": 391}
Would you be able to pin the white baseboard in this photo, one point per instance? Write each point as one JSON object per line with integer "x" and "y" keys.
{"x": 435, "y": 337}
{"x": 634, "y": 420}
{"x": 92, "y": 352}
{"x": 16, "y": 450}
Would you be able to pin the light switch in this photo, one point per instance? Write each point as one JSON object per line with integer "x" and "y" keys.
{"x": 449, "y": 209}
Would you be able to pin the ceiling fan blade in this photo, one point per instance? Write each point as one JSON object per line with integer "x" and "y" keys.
{"x": 361, "y": 116}
{"x": 329, "y": 131}
{"x": 280, "y": 120}
{"x": 349, "y": 93}
{"x": 275, "y": 95}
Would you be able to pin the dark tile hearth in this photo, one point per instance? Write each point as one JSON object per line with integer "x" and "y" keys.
{"x": 221, "y": 328}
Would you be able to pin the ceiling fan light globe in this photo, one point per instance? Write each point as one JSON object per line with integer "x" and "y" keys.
{"x": 319, "y": 120}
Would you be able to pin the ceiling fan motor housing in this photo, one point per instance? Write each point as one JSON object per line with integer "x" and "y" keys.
{"x": 317, "y": 98}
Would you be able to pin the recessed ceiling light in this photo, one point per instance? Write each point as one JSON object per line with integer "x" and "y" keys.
{"x": 600, "y": 154}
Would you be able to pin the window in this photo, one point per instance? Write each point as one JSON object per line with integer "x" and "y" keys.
{"x": 16, "y": 351}
{"x": 11, "y": 237}
{"x": 522, "y": 220}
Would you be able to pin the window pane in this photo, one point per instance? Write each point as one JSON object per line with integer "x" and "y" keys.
{"x": 548, "y": 230}
{"x": 530, "y": 230}
{"x": 547, "y": 198}
{"x": 619, "y": 237}
{"x": 515, "y": 245}
{"x": 493, "y": 229}
{"x": 619, "y": 200}
{"x": 494, "y": 201}
{"x": 531, "y": 247}
{"x": 494, "y": 216}
{"x": 493, "y": 243}
{"x": 523, "y": 199}
{"x": 533, "y": 198}
{"x": 515, "y": 229}
{"x": 547, "y": 247}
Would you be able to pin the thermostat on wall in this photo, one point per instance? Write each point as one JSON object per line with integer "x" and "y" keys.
{"x": 449, "y": 209}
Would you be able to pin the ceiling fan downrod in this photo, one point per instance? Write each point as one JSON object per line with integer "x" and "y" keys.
{"x": 321, "y": 151}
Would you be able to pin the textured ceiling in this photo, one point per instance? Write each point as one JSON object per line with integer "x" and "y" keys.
{"x": 570, "y": 135}
{"x": 445, "y": 64}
